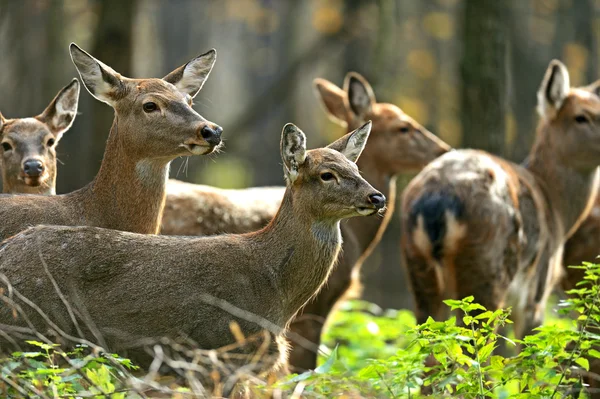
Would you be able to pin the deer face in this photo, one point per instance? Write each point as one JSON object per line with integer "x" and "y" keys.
{"x": 326, "y": 181}
{"x": 570, "y": 119}
{"x": 398, "y": 143}
{"x": 157, "y": 114}
{"x": 28, "y": 145}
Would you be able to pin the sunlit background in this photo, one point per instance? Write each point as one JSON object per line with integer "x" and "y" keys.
{"x": 467, "y": 70}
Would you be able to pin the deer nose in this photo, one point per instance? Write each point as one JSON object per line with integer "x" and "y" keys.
{"x": 377, "y": 200}
{"x": 211, "y": 135}
{"x": 33, "y": 167}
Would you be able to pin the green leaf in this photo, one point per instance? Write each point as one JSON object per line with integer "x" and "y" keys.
{"x": 584, "y": 363}
{"x": 325, "y": 367}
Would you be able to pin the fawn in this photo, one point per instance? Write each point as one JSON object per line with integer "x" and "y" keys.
{"x": 397, "y": 144}
{"x": 154, "y": 123}
{"x": 28, "y": 145}
{"x": 123, "y": 287}
{"x": 478, "y": 225}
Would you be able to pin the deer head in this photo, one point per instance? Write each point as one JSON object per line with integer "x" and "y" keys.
{"x": 157, "y": 114}
{"x": 28, "y": 145}
{"x": 326, "y": 181}
{"x": 398, "y": 143}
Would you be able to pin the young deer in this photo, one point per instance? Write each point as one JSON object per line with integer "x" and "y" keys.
{"x": 28, "y": 145}
{"x": 128, "y": 286}
{"x": 397, "y": 144}
{"x": 478, "y": 225}
{"x": 154, "y": 123}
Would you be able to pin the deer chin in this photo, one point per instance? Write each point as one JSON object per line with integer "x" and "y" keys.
{"x": 365, "y": 211}
{"x": 34, "y": 181}
{"x": 198, "y": 149}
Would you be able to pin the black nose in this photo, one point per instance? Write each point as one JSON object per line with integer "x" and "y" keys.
{"x": 212, "y": 136}
{"x": 33, "y": 167}
{"x": 377, "y": 200}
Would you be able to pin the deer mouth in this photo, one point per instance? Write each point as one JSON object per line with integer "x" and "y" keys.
{"x": 198, "y": 148}
{"x": 34, "y": 181}
{"x": 366, "y": 210}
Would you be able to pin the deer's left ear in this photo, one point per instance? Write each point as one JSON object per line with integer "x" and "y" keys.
{"x": 2, "y": 121}
{"x": 293, "y": 151}
{"x": 352, "y": 144}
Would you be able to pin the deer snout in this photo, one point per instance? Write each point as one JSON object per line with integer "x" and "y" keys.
{"x": 377, "y": 200}
{"x": 33, "y": 168}
{"x": 212, "y": 135}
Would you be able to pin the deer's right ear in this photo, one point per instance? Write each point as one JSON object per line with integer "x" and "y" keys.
{"x": 99, "y": 79}
{"x": 293, "y": 151}
{"x": 190, "y": 78}
{"x": 332, "y": 98}
{"x": 360, "y": 94}
{"x": 2, "y": 121}
{"x": 61, "y": 112}
{"x": 554, "y": 89}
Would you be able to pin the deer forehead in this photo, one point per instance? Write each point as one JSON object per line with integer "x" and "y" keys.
{"x": 159, "y": 87}
{"x": 385, "y": 111}
{"x": 328, "y": 158}
{"x": 581, "y": 100}
{"x": 25, "y": 128}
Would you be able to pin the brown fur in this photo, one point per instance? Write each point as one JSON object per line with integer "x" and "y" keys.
{"x": 28, "y": 139}
{"x": 125, "y": 286}
{"x": 397, "y": 144}
{"x": 128, "y": 192}
{"x": 514, "y": 220}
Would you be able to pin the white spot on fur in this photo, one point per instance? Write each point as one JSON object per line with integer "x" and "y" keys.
{"x": 455, "y": 231}
{"x": 420, "y": 237}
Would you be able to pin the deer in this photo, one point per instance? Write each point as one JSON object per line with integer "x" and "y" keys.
{"x": 476, "y": 224}
{"x": 28, "y": 145}
{"x": 397, "y": 144}
{"x": 129, "y": 287}
{"x": 154, "y": 123}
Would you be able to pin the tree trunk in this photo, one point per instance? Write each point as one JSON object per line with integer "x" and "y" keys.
{"x": 483, "y": 69}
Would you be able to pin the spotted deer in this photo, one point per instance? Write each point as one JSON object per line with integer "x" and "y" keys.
{"x": 476, "y": 224}
{"x": 175, "y": 287}
{"x": 154, "y": 123}
{"x": 397, "y": 144}
{"x": 28, "y": 145}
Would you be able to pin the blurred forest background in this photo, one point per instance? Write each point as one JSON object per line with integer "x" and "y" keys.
{"x": 466, "y": 69}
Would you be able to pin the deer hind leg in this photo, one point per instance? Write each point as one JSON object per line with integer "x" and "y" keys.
{"x": 427, "y": 292}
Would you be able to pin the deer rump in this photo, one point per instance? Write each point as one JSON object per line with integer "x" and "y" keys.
{"x": 475, "y": 225}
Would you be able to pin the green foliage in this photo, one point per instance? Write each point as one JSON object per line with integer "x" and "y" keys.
{"x": 50, "y": 372}
{"x": 384, "y": 354}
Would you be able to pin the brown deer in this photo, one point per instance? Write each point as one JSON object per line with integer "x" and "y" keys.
{"x": 28, "y": 145}
{"x": 478, "y": 225}
{"x": 397, "y": 144}
{"x": 154, "y": 123}
{"x": 128, "y": 286}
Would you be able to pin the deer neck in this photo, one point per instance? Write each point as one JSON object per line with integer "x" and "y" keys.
{"x": 570, "y": 193}
{"x": 367, "y": 231}
{"x": 306, "y": 250}
{"x": 128, "y": 192}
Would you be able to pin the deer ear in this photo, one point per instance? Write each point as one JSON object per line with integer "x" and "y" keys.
{"x": 61, "y": 112}
{"x": 293, "y": 151}
{"x": 332, "y": 98}
{"x": 352, "y": 144}
{"x": 99, "y": 79}
{"x": 554, "y": 89}
{"x": 190, "y": 78}
{"x": 360, "y": 94}
{"x": 2, "y": 121}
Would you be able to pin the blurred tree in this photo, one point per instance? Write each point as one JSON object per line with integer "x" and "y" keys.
{"x": 112, "y": 44}
{"x": 484, "y": 72}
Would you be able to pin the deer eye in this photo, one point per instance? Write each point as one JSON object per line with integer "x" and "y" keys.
{"x": 581, "y": 119}
{"x": 6, "y": 147}
{"x": 50, "y": 142}
{"x": 150, "y": 107}
{"x": 404, "y": 129}
{"x": 326, "y": 176}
